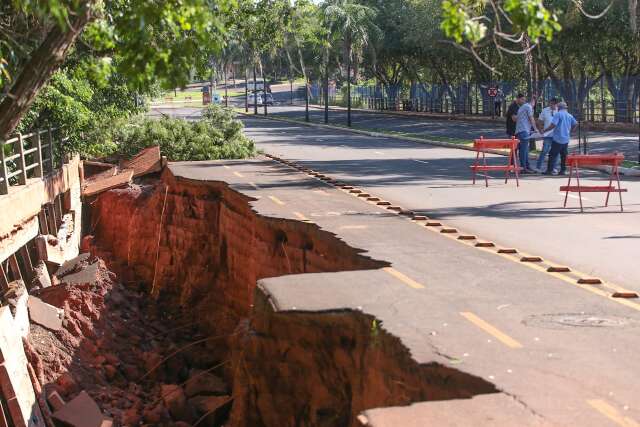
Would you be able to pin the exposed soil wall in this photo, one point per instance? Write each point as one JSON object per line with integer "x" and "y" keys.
{"x": 198, "y": 246}
{"x": 324, "y": 369}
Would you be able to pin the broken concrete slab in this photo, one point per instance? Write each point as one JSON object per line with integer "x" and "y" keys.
{"x": 15, "y": 383}
{"x": 41, "y": 277}
{"x": 102, "y": 182}
{"x": 91, "y": 168}
{"x": 145, "y": 162}
{"x": 87, "y": 274}
{"x": 488, "y": 410}
{"x": 82, "y": 411}
{"x": 68, "y": 266}
{"x": 45, "y": 314}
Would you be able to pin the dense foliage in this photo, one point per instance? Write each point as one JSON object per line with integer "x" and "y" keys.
{"x": 217, "y": 136}
{"x": 450, "y": 42}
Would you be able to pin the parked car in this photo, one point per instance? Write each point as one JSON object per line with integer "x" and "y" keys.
{"x": 258, "y": 85}
{"x": 261, "y": 99}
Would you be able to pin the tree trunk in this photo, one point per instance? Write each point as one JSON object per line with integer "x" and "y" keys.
{"x": 633, "y": 17}
{"x": 38, "y": 70}
{"x": 326, "y": 86}
{"x": 302, "y": 66}
{"x": 264, "y": 86}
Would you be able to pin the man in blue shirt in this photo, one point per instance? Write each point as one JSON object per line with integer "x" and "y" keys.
{"x": 525, "y": 122}
{"x": 562, "y": 125}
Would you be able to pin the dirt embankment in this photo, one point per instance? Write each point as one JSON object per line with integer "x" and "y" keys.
{"x": 200, "y": 249}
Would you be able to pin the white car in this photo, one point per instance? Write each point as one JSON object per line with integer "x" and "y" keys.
{"x": 258, "y": 85}
{"x": 261, "y": 99}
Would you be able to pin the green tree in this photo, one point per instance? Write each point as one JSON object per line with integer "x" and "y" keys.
{"x": 163, "y": 40}
{"x": 353, "y": 23}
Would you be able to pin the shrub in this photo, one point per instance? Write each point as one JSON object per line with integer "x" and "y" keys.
{"x": 218, "y": 135}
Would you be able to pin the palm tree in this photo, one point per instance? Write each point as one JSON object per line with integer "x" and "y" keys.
{"x": 353, "y": 22}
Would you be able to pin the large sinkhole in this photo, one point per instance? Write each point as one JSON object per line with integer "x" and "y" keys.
{"x": 196, "y": 342}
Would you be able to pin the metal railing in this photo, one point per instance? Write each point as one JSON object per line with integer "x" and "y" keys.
{"x": 28, "y": 156}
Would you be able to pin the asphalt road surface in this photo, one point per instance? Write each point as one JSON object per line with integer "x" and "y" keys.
{"x": 557, "y": 353}
{"x": 602, "y": 242}
{"x": 560, "y": 352}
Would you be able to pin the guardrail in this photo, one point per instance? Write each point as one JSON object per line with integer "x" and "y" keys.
{"x": 31, "y": 156}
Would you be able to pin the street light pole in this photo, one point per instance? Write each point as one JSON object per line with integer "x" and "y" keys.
{"x": 246, "y": 89}
{"x": 226, "y": 94}
{"x": 306, "y": 99}
{"x": 326, "y": 91}
{"x": 349, "y": 84}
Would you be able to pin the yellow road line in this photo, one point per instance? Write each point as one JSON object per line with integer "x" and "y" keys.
{"x": 491, "y": 330}
{"x": 612, "y": 413}
{"x": 277, "y": 201}
{"x": 301, "y": 216}
{"x": 254, "y": 185}
{"x": 226, "y": 167}
{"x": 238, "y": 174}
{"x": 353, "y": 227}
{"x": 403, "y": 278}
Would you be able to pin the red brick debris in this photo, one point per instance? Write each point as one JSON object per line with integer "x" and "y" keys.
{"x": 112, "y": 335}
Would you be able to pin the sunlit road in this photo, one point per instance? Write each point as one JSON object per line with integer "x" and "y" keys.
{"x": 437, "y": 181}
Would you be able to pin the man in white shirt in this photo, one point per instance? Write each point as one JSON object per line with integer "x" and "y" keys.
{"x": 524, "y": 123}
{"x": 546, "y": 116}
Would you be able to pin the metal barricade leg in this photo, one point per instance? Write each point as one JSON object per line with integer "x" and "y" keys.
{"x": 475, "y": 166}
{"x": 606, "y": 200}
{"x": 515, "y": 166}
{"x": 486, "y": 172}
{"x": 579, "y": 192}
{"x": 619, "y": 188}
{"x": 566, "y": 193}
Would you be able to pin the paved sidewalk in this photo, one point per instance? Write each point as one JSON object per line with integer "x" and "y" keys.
{"x": 561, "y": 354}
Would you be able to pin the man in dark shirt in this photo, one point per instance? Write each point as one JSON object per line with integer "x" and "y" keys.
{"x": 512, "y": 114}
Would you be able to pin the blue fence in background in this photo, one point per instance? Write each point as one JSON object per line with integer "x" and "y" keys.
{"x": 597, "y": 100}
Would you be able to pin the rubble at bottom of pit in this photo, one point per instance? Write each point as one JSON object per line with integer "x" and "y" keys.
{"x": 119, "y": 349}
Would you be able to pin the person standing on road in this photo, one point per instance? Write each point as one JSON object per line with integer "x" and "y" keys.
{"x": 562, "y": 125}
{"x": 497, "y": 102}
{"x": 512, "y": 114}
{"x": 546, "y": 116}
{"x": 525, "y": 122}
